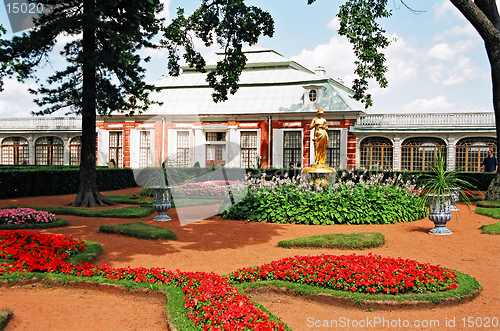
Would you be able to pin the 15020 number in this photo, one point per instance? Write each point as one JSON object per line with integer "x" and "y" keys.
{"x": 478, "y": 322}
{"x": 24, "y": 8}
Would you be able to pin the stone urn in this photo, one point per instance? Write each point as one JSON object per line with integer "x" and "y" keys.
{"x": 455, "y": 192}
{"x": 440, "y": 213}
{"x": 161, "y": 203}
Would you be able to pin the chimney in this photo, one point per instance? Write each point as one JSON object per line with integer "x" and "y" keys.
{"x": 320, "y": 71}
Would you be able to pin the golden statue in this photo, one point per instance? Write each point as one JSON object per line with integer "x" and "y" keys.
{"x": 320, "y": 138}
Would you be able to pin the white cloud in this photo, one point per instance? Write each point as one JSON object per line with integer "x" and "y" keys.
{"x": 402, "y": 67}
{"x": 337, "y": 57}
{"x": 16, "y": 101}
{"x": 462, "y": 72}
{"x": 165, "y": 13}
{"x": 438, "y": 104}
{"x": 441, "y": 52}
{"x": 443, "y": 10}
{"x": 435, "y": 73}
{"x": 458, "y": 31}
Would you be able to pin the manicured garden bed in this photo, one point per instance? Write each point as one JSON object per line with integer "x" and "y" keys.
{"x": 210, "y": 298}
{"x": 344, "y": 201}
{"x": 139, "y": 230}
{"x": 27, "y": 218}
{"x": 337, "y": 240}
{"x": 120, "y": 212}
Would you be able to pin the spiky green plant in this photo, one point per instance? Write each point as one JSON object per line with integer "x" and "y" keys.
{"x": 441, "y": 182}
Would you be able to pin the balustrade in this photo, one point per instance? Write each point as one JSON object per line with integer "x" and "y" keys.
{"x": 427, "y": 120}
{"x": 40, "y": 123}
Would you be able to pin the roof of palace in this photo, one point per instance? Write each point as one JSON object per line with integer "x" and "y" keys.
{"x": 269, "y": 84}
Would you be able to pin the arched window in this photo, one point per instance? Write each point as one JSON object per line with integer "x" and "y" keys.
{"x": 470, "y": 153}
{"x": 376, "y": 153}
{"x": 15, "y": 150}
{"x": 75, "y": 149}
{"x": 49, "y": 151}
{"x": 418, "y": 153}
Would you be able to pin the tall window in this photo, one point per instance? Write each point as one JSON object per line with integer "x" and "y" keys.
{"x": 248, "y": 147}
{"x": 115, "y": 147}
{"x": 75, "y": 149}
{"x": 215, "y": 153}
{"x": 292, "y": 147}
{"x": 470, "y": 153}
{"x": 333, "y": 149}
{"x": 145, "y": 158}
{"x": 49, "y": 151}
{"x": 376, "y": 153}
{"x": 183, "y": 148}
{"x": 418, "y": 153}
{"x": 15, "y": 150}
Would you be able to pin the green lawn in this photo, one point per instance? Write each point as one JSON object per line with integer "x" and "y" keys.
{"x": 337, "y": 240}
{"x": 139, "y": 230}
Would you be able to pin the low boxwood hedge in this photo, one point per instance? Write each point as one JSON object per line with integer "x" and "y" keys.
{"x": 38, "y": 180}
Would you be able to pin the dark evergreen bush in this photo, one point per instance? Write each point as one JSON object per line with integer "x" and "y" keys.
{"x": 47, "y": 180}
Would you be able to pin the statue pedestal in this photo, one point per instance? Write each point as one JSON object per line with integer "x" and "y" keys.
{"x": 319, "y": 173}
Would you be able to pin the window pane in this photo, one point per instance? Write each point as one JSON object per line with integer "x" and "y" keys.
{"x": 49, "y": 151}
{"x": 216, "y": 136}
{"x": 292, "y": 147}
{"x": 333, "y": 149}
{"x": 418, "y": 153}
{"x": 145, "y": 150}
{"x": 183, "y": 148}
{"x": 470, "y": 153}
{"x": 75, "y": 148}
{"x": 15, "y": 150}
{"x": 115, "y": 147}
{"x": 248, "y": 147}
{"x": 376, "y": 153}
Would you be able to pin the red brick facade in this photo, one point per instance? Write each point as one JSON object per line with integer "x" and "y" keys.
{"x": 161, "y": 133}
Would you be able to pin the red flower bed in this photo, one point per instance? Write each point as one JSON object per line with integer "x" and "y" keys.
{"x": 32, "y": 251}
{"x": 356, "y": 273}
{"x": 212, "y": 302}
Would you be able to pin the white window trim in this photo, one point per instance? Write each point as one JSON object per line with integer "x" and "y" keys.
{"x": 278, "y": 135}
{"x": 102, "y": 147}
{"x": 172, "y": 144}
{"x": 135, "y": 148}
{"x": 123, "y": 148}
{"x": 239, "y": 141}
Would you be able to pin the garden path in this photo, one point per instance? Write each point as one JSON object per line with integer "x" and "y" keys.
{"x": 223, "y": 245}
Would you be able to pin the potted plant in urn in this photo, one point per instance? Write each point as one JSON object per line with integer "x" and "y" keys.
{"x": 439, "y": 187}
{"x": 153, "y": 178}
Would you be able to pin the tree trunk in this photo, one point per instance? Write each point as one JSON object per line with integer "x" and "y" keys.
{"x": 88, "y": 193}
{"x": 493, "y": 193}
{"x": 484, "y": 16}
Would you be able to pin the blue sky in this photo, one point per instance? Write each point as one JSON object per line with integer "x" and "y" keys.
{"x": 437, "y": 62}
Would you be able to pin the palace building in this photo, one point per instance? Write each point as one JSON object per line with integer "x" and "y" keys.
{"x": 265, "y": 123}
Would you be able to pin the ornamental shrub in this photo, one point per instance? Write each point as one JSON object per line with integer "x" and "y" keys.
{"x": 372, "y": 201}
{"x": 25, "y": 216}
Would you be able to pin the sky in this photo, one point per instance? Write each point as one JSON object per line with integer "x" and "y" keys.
{"x": 436, "y": 60}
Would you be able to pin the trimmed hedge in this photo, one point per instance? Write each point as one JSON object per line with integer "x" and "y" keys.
{"x": 19, "y": 181}
{"x": 37, "y": 181}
